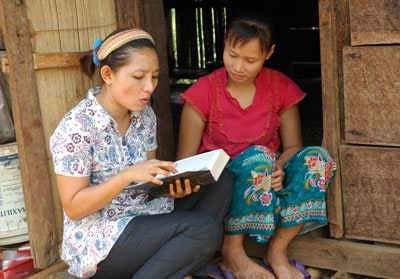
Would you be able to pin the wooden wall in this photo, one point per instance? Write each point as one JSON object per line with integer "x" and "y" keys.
{"x": 369, "y": 155}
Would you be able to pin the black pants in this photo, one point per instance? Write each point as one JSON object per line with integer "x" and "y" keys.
{"x": 175, "y": 244}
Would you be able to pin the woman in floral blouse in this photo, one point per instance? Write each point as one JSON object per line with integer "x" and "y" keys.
{"x": 107, "y": 142}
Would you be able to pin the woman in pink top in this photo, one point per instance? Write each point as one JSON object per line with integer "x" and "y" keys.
{"x": 251, "y": 112}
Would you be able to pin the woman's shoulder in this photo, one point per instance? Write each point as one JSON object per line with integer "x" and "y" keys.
{"x": 267, "y": 71}
{"x": 82, "y": 115}
{"x": 218, "y": 74}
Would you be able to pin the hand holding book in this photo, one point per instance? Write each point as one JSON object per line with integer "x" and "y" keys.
{"x": 181, "y": 188}
{"x": 201, "y": 169}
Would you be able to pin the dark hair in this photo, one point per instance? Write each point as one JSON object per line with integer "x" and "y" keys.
{"x": 242, "y": 30}
{"x": 117, "y": 58}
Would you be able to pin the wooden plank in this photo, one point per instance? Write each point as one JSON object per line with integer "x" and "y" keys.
{"x": 332, "y": 19}
{"x": 49, "y": 60}
{"x": 4, "y": 76}
{"x": 341, "y": 255}
{"x": 30, "y": 138}
{"x": 53, "y": 272}
{"x": 371, "y": 95}
{"x": 2, "y": 46}
{"x": 154, "y": 23}
{"x": 128, "y": 14}
{"x": 370, "y": 189}
{"x": 374, "y": 22}
{"x": 56, "y": 60}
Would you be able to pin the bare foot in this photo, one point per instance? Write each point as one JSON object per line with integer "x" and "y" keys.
{"x": 242, "y": 267}
{"x": 282, "y": 267}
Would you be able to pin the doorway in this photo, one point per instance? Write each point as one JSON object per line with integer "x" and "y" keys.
{"x": 195, "y": 44}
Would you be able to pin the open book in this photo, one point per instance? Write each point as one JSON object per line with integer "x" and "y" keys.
{"x": 201, "y": 169}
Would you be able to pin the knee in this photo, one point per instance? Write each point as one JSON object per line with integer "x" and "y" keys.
{"x": 210, "y": 232}
{"x": 222, "y": 190}
{"x": 228, "y": 182}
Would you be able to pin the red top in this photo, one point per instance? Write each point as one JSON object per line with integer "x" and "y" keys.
{"x": 232, "y": 128}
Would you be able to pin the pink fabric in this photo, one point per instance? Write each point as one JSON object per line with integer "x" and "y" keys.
{"x": 232, "y": 128}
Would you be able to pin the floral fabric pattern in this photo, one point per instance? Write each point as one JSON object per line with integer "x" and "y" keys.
{"x": 258, "y": 209}
{"x": 87, "y": 143}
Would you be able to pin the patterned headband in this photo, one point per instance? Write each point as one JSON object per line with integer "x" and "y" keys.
{"x": 114, "y": 42}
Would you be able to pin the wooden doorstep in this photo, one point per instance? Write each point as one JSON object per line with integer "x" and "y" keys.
{"x": 339, "y": 255}
{"x": 56, "y": 271}
{"x": 344, "y": 256}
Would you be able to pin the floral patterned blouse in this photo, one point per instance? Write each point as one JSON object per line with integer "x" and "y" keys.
{"x": 88, "y": 143}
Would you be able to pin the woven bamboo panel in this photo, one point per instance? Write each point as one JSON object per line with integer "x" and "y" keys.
{"x": 60, "y": 31}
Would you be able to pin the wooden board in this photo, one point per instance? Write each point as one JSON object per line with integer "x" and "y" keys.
{"x": 332, "y": 15}
{"x": 374, "y": 22}
{"x": 342, "y": 255}
{"x": 371, "y": 191}
{"x": 371, "y": 95}
{"x": 32, "y": 146}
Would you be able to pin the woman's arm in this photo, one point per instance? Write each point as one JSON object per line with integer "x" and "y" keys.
{"x": 190, "y": 132}
{"x": 79, "y": 199}
{"x": 290, "y": 133}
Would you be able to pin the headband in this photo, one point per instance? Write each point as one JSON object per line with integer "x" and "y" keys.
{"x": 102, "y": 49}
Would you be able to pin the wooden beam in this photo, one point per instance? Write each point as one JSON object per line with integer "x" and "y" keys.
{"x": 49, "y": 60}
{"x": 56, "y": 60}
{"x": 331, "y": 16}
{"x": 340, "y": 255}
{"x": 32, "y": 147}
{"x": 131, "y": 14}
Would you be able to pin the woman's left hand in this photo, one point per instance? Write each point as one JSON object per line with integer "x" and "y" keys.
{"x": 178, "y": 190}
{"x": 277, "y": 178}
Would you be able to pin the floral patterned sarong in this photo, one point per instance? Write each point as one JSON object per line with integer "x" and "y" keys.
{"x": 256, "y": 209}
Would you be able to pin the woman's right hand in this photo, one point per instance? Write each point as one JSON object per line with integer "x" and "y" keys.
{"x": 147, "y": 170}
{"x": 278, "y": 176}
{"x": 178, "y": 190}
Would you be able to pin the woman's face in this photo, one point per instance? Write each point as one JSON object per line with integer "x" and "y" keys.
{"x": 133, "y": 84}
{"x": 243, "y": 62}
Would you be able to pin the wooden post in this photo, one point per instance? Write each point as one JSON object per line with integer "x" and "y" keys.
{"x": 29, "y": 133}
{"x": 332, "y": 16}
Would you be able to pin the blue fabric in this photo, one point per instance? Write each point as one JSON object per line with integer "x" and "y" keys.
{"x": 256, "y": 209}
{"x": 96, "y": 46}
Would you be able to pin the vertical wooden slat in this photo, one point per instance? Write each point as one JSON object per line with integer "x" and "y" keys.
{"x": 153, "y": 22}
{"x": 30, "y": 137}
{"x": 128, "y": 14}
{"x": 208, "y": 34}
{"x": 332, "y": 20}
